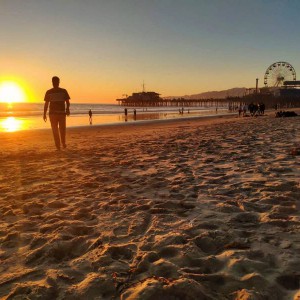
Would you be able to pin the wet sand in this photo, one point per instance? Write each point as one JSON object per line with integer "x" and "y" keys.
{"x": 185, "y": 209}
{"x": 17, "y": 122}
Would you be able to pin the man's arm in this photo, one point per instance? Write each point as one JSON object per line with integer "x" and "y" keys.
{"x": 68, "y": 107}
{"x": 45, "y": 110}
{"x": 67, "y": 99}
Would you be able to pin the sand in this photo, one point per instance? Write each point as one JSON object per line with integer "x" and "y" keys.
{"x": 186, "y": 209}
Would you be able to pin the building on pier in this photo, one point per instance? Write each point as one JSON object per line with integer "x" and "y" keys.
{"x": 141, "y": 99}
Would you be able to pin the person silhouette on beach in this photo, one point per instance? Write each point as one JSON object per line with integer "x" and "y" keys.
{"x": 90, "y": 116}
{"x": 57, "y": 97}
{"x": 125, "y": 113}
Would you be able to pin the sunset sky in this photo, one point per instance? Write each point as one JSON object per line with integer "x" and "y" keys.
{"x": 102, "y": 49}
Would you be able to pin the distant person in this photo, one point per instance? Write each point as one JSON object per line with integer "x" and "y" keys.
{"x": 125, "y": 113}
{"x": 57, "y": 97}
{"x": 245, "y": 108}
{"x": 134, "y": 114}
{"x": 262, "y": 108}
{"x": 91, "y": 117}
{"x": 240, "y": 110}
{"x": 255, "y": 109}
{"x": 258, "y": 112}
{"x": 251, "y": 108}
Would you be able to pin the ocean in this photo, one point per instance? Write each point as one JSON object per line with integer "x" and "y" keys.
{"x": 29, "y": 116}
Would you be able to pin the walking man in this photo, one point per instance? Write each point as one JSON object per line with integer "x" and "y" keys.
{"x": 57, "y": 97}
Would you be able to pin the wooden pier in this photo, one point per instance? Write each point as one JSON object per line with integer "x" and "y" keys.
{"x": 181, "y": 102}
{"x": 152, "y": 99}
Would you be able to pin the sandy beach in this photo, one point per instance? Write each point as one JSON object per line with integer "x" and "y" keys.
{"x": 204, "y": 208}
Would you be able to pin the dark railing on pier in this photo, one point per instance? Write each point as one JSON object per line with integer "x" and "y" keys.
{"x": 232, "y": 103}
{"x": 180, "y": 102}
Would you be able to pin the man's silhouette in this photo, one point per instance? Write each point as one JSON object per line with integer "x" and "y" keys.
{"x": 91, "y": 116}
{"x": 57, "y": 97}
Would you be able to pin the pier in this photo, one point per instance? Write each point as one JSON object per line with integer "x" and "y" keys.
{"x": 286, "y": 96}
{"x": 232, "y": 103}
{"x": 152, "y": 99}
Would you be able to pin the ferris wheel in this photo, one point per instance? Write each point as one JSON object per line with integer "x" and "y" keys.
{"x": 279, "y": 72}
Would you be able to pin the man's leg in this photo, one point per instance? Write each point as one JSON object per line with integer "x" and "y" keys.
{"x": 62, "y": 129}
{"x": 54, "y": 126}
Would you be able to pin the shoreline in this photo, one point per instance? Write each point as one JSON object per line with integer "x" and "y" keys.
{"x": 80, "y": 120}
{"x": 154, "y": 121}
{"x": 186, "y": 117}
{"x": 11, "y": 124}
{"x": 27, "y": 139}
{"x": 118, "y": 123}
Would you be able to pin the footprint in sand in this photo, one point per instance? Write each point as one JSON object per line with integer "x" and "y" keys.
{"x": 121, "y": 231}
{"x": 140, "y": 224}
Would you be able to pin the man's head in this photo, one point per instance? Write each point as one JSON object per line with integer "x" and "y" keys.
{"x": 55, "y": 81}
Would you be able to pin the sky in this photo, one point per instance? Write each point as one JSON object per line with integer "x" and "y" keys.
{"x": 103, "y": 49}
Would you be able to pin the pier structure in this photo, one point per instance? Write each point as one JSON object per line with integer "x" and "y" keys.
{"x": 232, "y": 103}
{"x": 286, "y": 96}
{"x": 152, "y": 99}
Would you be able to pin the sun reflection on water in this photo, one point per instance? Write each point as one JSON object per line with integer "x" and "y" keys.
{"x": 11, "y": 124}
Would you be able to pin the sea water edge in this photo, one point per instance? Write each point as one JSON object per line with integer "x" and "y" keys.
{"x": 28, "y": 116}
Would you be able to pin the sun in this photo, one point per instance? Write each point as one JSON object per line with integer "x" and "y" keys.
{"x": 11, "y": 92}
